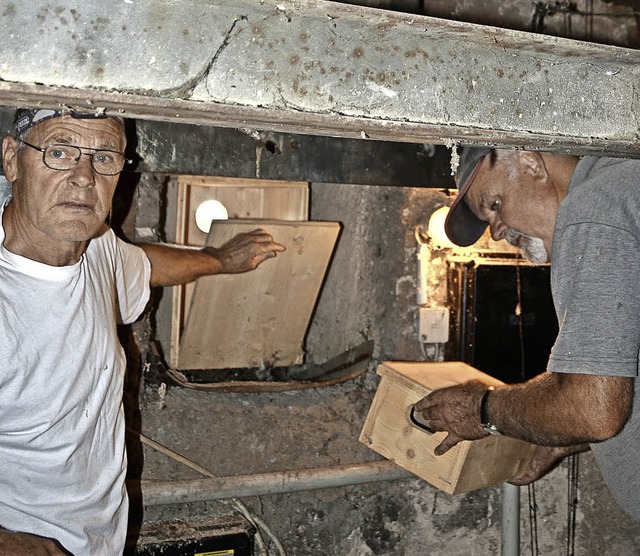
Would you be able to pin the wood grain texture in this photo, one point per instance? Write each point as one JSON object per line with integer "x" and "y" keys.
{"x": 259, "y": 318}
{"x": 470, "y": 465}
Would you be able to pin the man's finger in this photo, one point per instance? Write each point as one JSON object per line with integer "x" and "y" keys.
{"x": 520, "y": 481}
{"x": 449, "y": 442}
{"x": 424, "y": 403}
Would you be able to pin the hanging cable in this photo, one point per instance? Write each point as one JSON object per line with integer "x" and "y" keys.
{"x": 523, "y": 372}
{"x": 531, "y": 488}
{"x": 533, "y": 519}
{"x": 567, "y": 23}
{"x": 573, "y": 462}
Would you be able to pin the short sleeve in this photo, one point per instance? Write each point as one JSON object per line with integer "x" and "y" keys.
{"x": 595, "y": 284}
{"x": 133, "y": 274}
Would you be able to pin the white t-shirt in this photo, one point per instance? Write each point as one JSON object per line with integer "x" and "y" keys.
{"x": 62, "y": 458}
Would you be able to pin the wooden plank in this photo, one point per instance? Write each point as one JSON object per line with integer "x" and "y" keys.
{"x": 243, "y": 198}
{"x": 259, "y": 318}
{"x": 389, "y": 431}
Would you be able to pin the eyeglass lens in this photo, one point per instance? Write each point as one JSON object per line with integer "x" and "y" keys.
{"x": 65, "y": 157}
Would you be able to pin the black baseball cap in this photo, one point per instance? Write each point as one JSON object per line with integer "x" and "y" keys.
{"x": 462, "y": 226}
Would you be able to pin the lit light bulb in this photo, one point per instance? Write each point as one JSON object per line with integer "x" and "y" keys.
{"x": 207, "y": 212}
{"x": 435, "y": 229}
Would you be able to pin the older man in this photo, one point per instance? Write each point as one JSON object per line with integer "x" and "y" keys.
{"x": 582, "y": 214}
{"x": 66, "y": 281}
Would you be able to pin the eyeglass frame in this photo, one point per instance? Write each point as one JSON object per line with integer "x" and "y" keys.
{"x": 43, "y": 150}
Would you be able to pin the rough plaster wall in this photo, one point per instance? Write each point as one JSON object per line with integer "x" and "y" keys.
{"x": 237, "y": 434}
{"x": 370, "y": 290}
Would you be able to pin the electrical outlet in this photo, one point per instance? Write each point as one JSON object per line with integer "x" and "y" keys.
{"x": 433, "y": 325}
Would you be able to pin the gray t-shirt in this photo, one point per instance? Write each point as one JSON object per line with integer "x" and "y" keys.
{"x": 595, "y": 280}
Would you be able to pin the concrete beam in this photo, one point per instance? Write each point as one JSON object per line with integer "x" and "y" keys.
{"x": 322, "y": 68}
{"x": 178, "y": 148}
{"x": 204, "y": 150}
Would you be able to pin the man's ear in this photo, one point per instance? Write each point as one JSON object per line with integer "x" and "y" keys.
{"x": 10, "y": 158}
{"x": 534, "y": 165}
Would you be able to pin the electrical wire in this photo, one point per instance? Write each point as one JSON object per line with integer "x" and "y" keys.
{"x": 572, "y": 461}
{"x": 252, "y": 518}
{"x": 531, "y": 488}
{"x": 533, "y": 519}
{"x": 572, "y": 502}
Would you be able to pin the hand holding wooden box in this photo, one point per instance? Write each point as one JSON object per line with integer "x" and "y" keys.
{"x": 470, "y": 465}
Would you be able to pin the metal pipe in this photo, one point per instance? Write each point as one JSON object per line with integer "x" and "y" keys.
{"x": 156, "y": 493}
{"x": 510, "y": 542}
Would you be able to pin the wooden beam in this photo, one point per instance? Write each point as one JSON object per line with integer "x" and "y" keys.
{"x": 177, "y": 148}
{"x": 321, "y": 68}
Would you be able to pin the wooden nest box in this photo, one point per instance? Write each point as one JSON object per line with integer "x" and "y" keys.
{"x": 388, "y": 430}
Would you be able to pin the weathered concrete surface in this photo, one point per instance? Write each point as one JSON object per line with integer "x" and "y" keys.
{"x": 321, "y": 67}
{"x": 178, "y": 148}
{"x": 242, "y": 433}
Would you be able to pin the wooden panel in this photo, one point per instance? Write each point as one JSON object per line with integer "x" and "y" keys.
{"x": 243, "y": 198}
{"x": 258, "y": 318}
{"x": 254, "y": 199}
{"x": 389, "y": 431}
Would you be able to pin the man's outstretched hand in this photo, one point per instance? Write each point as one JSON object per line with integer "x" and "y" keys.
{"x": 246, "y": 251}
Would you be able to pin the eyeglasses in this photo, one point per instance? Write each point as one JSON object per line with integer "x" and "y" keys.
{"x": 66, "y": 157}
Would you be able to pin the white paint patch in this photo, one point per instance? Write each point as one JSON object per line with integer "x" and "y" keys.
{"x": 162, "y": 393}
{"x": 382, "y": 90}
{"x": 402, "y": 280}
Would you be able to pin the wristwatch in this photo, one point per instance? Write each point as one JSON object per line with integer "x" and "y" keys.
{"x": 485, "y": 422}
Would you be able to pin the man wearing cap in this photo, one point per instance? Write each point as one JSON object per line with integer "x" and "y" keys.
{"x": 66, "y": 281}
{"x": 583, "y": 215}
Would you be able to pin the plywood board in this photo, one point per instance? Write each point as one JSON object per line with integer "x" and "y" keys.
{"x": 243, "y": 198}
{"x": 251, "y": 198}
{"x": 469, "y": 465}
{"x": 258, "y": 318}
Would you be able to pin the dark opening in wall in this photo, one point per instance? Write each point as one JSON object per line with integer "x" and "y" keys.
{"x": 505, "y": 323}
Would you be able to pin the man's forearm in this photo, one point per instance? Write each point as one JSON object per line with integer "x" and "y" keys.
{"x": 172, "y": 265}
{"x": 556, "y": 409}
{"x": 26, "y": 544}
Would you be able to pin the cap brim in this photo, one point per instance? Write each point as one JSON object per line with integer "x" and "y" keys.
{"x": 30, "y": 118}
{"x": 462, "y": 226}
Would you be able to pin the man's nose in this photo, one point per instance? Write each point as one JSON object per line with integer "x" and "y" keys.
{"x": 82, "y": 174}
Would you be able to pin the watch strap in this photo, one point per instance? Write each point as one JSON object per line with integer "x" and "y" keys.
{"x": 485, "y": 421}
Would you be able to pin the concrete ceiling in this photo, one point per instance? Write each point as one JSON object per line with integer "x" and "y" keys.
{"x": 321, "y": 68}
